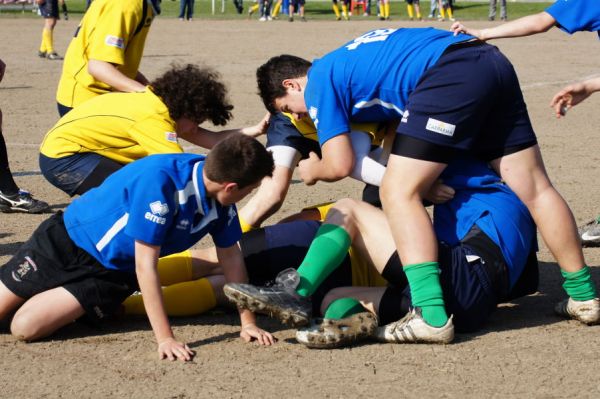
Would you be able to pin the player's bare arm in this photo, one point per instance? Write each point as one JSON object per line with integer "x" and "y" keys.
{"x": 336, "y": 163}
{"x": 525, "y": 26}
{"x": 573, "y": 94}
{"x": 269, "y": 197}
{"x": 109, "y": 74}
{"x": 146, "y": 259}
{"x": 232, "y": 261}
{"x": 205, "y": 138}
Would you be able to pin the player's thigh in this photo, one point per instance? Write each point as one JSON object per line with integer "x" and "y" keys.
{"x": 524, "y": 172}
{"x": 44, "y": 313}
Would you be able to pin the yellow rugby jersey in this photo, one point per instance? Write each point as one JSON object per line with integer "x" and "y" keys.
{"x": 123, "y": 127}
{"x": 307, "y": 128}
{"x": 113, "y": 31}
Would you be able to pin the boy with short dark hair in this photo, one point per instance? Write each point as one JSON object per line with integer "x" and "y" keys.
{"x": 109, "y": 241}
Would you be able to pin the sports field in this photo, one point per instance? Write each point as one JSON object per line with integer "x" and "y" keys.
{"x": 525, "y": 351}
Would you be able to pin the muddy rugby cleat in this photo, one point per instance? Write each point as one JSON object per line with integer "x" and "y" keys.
{"x": 279, "y": 300}
{"x": 336, "y": 333}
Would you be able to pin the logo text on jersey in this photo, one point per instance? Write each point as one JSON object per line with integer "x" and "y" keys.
{"x": 378, "y": 35}
{"x": 171, "y": 136}
{"x": 114, "y": 41}
{"x": 158, "y": 209}
{"x": 440, "y": 127}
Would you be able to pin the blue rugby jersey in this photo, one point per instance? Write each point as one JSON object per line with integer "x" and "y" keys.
{"x": 482, "y": 199}
{"x": 576, "y": 15}
{"x": 370, "y": 78}
{"x": 160, "y": 200}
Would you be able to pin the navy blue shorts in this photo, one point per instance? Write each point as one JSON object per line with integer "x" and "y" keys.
{"x": 469, "y": 102}
{"x": 473, "y": 277}
{"x": 272, "y": 249}
{"x": 77, "y": 173}
{"x": 49, "y": 9}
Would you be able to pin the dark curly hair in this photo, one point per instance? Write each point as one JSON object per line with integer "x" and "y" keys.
{"x": 195, "y": 93}
{"x": 270, "y": 77}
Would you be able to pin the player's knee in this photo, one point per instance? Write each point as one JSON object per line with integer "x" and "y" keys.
{"x": 25, "y": 327}
{"x": 346, "y": 205}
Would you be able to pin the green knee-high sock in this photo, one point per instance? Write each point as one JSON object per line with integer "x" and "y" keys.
{"x": 325, "y": 254}
{"x": 342, "y": 308}
{"x": 579, "y": 284}
{"x": 426, "y": 292}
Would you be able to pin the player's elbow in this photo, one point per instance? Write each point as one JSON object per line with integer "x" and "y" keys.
{"x": 341, "y": 168}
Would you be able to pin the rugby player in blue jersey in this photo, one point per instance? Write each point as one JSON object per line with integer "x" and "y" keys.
{"x": 457, "y": 96}
{"x": 107, "y": 243}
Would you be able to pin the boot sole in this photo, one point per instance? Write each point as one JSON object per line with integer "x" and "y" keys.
{"x": 245, "y": 301}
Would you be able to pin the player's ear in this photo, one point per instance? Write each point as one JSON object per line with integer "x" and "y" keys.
{"x": 229, "y": 187}
{"x": 292, "y": 84}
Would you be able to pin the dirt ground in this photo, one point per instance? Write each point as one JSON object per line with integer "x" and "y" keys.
{"x": 525, "y": 351}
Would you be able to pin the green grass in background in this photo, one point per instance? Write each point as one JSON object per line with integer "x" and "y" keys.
{"x": 315, "y": 9}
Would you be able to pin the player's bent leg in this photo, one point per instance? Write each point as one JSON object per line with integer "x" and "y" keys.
{"x": 8, "y": 301}
{"x": 368, "y": 228}
{"x": 45, "y": 313}
{"x": 524, "y": 173}
{"x": 188, "y": 298}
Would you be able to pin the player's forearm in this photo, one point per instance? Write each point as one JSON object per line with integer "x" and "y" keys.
{"x": 592, "y": 85}
{"x": 153, "y": 303}
{"x": 107, "y": 73}
{"x": 268, "y": 199}
{"x": 525, "y": 26}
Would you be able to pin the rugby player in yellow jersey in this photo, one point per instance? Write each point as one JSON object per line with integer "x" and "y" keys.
{"x": 106, "y": 51}
{"x": 103, "y": 134}
{"x": 290, "y": 139}
{"x": 193, "y": 280}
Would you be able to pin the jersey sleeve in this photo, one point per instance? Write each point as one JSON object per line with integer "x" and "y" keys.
{"x": 574, "y": 16}
{"x": 326, "y": 107}
{"x": 227, "y": 230}
{"x": 156, "y": 135}
{"x": 283, "y": 133}
{"x": 114, "y": 29}
{"x": 152, "y": 208}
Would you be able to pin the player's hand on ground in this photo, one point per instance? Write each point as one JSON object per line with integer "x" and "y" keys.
{"x": 251, "y": 332}
{"x": 305, "y": 168}
{"x": 173, "y": 350}
{"x": 568, "y": 97}
{"x": 439, "y": 193}
{"x": 458, "y": 27}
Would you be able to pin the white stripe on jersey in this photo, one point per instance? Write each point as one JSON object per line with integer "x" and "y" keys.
{"x": 183, "y": 195}
{"x": 112, "y": 232}
{"x": 377, "y": 101}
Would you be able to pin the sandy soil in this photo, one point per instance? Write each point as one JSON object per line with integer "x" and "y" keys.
{"x": 525, "y": 351}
